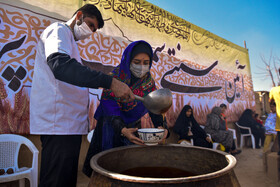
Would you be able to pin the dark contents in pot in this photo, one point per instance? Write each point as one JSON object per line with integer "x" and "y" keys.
{"x": 157, "y": 172}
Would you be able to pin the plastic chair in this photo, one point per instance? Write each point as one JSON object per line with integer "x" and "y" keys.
{"x": 9, "y": 151}
{"x": 186, "y": 143}
{"x": 242, "y": 136}
{"x": 215, "y": 145}
{"x": 234, "y": 136}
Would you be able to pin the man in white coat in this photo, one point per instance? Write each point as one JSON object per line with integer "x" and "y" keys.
{"x": 59, "y": 98}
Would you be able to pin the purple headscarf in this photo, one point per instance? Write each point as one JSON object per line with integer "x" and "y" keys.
{"x": 132, "y": 111}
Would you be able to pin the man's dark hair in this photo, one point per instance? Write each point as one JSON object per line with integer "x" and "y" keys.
{"x": 223, "y": 105}
{"x": 90, "y": 10}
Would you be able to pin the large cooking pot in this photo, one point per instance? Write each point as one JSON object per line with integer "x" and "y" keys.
{"x": 202, "y": 166}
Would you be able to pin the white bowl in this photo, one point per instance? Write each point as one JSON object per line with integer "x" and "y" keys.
{"x": 151, "y": 136}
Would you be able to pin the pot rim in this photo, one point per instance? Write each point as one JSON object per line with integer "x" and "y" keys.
{"x": 93, "y": 163}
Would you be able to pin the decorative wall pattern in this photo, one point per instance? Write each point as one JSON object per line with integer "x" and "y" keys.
{"x": 200, "y": 68}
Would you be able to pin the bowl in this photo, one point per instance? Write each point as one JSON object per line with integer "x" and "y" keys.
{"x": 151, "y": 136}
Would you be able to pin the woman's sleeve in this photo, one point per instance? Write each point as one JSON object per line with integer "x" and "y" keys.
{"x": 198, "y": 130}
{"x": 214, "y": 123}
{"x": 181, "y": 129}
{"x": 217, "y": 124}
{"x": 117, "y": 124}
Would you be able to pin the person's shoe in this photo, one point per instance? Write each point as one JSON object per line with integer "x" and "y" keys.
{"x": 258, "y": 147}
{"x": 278, "y": 152}
{"x": 236, "y": 152}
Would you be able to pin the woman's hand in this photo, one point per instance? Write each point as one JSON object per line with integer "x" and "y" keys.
{"x": 208, "y": 139}
{"x": 129, "y": 134}
{"x": 164, "y": 136}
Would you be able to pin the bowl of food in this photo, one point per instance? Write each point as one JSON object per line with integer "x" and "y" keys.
{"x": 151, "y": 136}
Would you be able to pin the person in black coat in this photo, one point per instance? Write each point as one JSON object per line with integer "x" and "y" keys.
{"x": 187, "y": 128}
{"x": 247, "y": 120}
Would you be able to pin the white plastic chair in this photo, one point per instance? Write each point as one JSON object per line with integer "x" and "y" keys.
{"x": 89, "y": 136}
{"x": 187, "y": 143}
{"x": 215, "y": 145}
{"x": 9, "y": 151}
{"x": 242, "y": 136}
{"x": 234, "y": 135}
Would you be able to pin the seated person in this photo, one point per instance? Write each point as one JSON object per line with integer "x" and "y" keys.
{"x": 187, "y": 127}
{"x": 215, "y": 126}
{"x": 270, "y": 132}
{"x": 247, "y": 120}
{"x": 117, "y": 120}
{"x": 257, "y": 118}
{"x": 224, "y": 108}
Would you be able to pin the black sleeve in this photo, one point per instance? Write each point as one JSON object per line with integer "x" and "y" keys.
{"x": 198, "y": 131}
{"x": 117, "y": 124}
{"x": 71, "y": 71}
{"x": 182, "y": 131}
{"x": 158, "y": 121}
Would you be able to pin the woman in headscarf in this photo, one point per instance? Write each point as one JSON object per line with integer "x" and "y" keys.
{"x": 117, "y": 120}
{"x": 215, "y": 126}
{"x": 247, "y": 120}
{"x": 187, "y": 128}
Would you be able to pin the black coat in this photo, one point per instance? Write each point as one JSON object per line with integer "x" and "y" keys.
{"x": 182, "y": 125}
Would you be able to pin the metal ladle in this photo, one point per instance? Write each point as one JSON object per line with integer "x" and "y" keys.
{"x": 158, "y": 101}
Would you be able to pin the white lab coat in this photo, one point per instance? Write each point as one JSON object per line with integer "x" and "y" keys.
{"x": 57, "y": 107}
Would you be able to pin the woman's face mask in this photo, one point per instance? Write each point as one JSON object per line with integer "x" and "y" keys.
{"x": 139, "y": 71}
{"x": 140, "y": 65}
{"x": 82, "y": 31}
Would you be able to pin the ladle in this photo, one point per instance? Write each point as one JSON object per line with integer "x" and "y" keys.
{"x": 158, "y": 101}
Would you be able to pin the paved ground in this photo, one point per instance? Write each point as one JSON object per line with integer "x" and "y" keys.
{"x": 249, "y": 170}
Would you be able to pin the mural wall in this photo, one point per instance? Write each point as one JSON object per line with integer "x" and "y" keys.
{"x": 200, "y": 68}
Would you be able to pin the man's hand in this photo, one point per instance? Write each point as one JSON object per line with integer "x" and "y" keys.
{"x": 129, "y": 134}
{"x": 122, "y": 91}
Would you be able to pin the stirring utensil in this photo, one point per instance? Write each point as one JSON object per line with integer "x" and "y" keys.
{"x": 158, "y": 101}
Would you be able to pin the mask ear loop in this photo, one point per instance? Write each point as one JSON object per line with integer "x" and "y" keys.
{"x": 79, "y": 22}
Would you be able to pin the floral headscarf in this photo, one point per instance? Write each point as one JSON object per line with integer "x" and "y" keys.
{"x": 112, "y": 106}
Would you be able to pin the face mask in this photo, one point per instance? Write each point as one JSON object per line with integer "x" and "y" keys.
{"x": 82, "y": 31}
{"x": 139, "y": 71}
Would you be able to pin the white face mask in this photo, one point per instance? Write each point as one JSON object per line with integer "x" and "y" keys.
{"x": 82, "y": 31}
{"x": 139, "y": 71}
